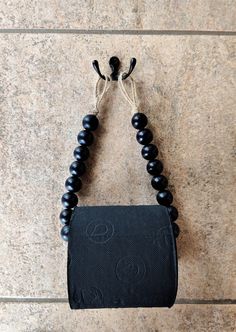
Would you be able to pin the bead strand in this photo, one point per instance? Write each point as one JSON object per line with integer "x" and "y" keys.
{"x": 155, "y": 167}
{"x": 73, "y": 184}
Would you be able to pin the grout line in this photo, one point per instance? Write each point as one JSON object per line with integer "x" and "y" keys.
{"x": 32, "y": 300}
{"x": 122, "y": 32}
{"x": 199, "y": 301}
{"x": 65, "y": 300}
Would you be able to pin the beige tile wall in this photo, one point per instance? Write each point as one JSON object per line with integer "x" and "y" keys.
{"x": 186, "y": 82}
{"x": 124, "y": 14}
{"x": 57, "y": 317}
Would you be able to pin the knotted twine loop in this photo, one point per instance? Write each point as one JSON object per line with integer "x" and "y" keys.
{"x": 133, "y": 98}
{"x": 100, "y": 94}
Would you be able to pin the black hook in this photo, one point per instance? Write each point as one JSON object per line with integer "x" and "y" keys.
{"x": 114, "y": 64}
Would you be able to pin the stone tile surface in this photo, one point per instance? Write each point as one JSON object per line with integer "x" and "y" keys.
{"x": 131, "y": 14}
{"x": 58, "y": 317}
{"x": 187, "y": 89}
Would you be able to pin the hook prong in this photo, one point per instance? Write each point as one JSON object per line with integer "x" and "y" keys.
{"x": 133, "y": 62}
{"x": 97, "y": 69}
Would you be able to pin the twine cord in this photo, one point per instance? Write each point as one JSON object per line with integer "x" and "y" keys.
{"x": 131, "y": 99}
{"x": 99, "y": 95}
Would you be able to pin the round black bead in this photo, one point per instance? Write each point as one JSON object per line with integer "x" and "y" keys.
{"x": 176, "y": 229}
{"x": 90, "y": 122}
{"x": 139, "y": 120}
{"x": 65, "y": 216}
{"x": 154, "y": 167}
{"x": 73, "y": 184}
{"x": 173, "y": 212}
{"x": 69, "y": 200}
{"x": 144, "y": 136}
{"x": 164, "y": 197}
{"x": 77, "y": 168}
{"x": 65, "y": 232}
{"x": 81, "y": 153}
{"x": 159, "y": 182}
{"x": 85, "y": 137}
{"x": 149, "y": 151}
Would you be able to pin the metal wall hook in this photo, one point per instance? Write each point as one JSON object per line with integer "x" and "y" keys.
{"x": 114, "y": 64}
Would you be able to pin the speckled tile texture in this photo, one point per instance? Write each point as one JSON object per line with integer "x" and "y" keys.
{"x": 187, "y": 89}
{"x": 58, "y": 318}
{"x": 186, "y": 81}
{"x": 125, "y": 14}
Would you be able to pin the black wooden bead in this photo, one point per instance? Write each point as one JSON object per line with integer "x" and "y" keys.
{"x": 149, "y": 151}
{"x": 81, "y": 153}
{"x": 90, "y": 122}
{"x": 139, "y": 120}
{"x": 154, "y": 167}
{"x": 164, "y": 197}
{"x": 73, "y": 184}
{"x": 77, "y": 168}
{"x": 176, "y": 229}
{"x": 85, "y": 137}
{"x": 65, "y": 232}
{"x": 144, "y": 136}
{"x": 65, "y": 216}
{"x": 173, "y": 212}
{"x": 159, "y": 182}
{"x": 69, "y": 200}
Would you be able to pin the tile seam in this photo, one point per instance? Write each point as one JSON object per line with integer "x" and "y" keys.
{"x": 65, "y": 300}
{"x": 121, "y": 32}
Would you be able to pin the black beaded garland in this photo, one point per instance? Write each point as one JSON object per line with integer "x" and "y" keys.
{"x": 85, "y": 137}
{"x": 73, "y": 184}
{"x": 65, "y": 216}
{"x": 77, "y": 168}
{"x": 144, "y": 136}
{"x": 65, "y": 232}
{"x": 81, "y": 153}
{"x": 90, "y": 122}
{"x": 173, "y": 212}
{"x": 164, "y": 197}
{"x": 154, "y": 167}
{"x": 149, "y": 151}
{"x": 139, "y": 121}
{"x": 69, "y": 200}
{"x": 176, "y": 229}
{"x": 159, "y": 182}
